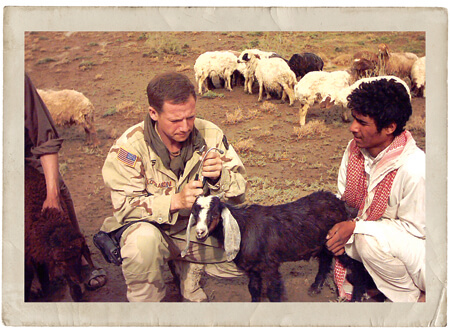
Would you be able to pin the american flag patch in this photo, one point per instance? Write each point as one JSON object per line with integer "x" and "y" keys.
{"x": 126, "y": 157}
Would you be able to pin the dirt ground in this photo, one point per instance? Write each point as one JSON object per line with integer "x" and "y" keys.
{"x": 113, "y": 68}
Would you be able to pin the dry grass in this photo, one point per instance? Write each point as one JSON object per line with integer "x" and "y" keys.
{"x": 268, "y": 107}
{"x": 244, "y": 145}
{"x": 316, "y": 128}
{"x": 238, "y": 115}
{"x": 416, "y": 124}
{"x": 129, "y": 107}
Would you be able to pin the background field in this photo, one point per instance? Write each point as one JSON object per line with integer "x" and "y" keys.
{"x": 113, "y": 68}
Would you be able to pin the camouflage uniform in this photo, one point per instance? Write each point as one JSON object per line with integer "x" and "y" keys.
{"x": 141, "y": 190}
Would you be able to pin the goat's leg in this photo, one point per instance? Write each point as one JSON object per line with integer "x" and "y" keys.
{"x": 255, "y": 286}
{"x": 325, "y": 260}
{"x": 44, "y": 278}
{"x": 275, "y": 286}
{"x": 29, "y": 275}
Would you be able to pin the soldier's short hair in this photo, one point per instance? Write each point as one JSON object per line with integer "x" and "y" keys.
{"x": 172, "y": 87}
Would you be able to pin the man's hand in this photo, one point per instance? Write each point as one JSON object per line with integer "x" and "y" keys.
{"x": 338, "y": 236}
{"x": 212, "y": 166}
{"x": 186, "y": 198}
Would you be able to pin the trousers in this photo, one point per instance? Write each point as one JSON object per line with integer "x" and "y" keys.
{"x": 395, "y": 259}
{"x": 145, "y": 249}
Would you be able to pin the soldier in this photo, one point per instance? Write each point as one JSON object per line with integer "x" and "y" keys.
{"x": 152, "y": 172}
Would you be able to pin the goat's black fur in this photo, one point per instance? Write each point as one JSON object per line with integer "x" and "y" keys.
{"x": 294, "y": 231}
{"x": 306, "y": 62}
{"x": 53, "y": 246}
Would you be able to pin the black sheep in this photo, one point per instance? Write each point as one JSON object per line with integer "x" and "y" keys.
{"x": 304, "y": 63}
{"x": 260, "y": 238}
{"x": 53, "y": 246}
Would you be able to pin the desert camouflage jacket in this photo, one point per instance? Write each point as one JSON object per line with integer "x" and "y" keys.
{"x": 141, "y": 187}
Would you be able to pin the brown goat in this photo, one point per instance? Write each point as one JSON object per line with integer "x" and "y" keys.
{"x": 53, "y": 246}
{"x": 395, "y": 63}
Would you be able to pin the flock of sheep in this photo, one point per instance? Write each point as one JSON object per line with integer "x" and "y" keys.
{"x": 302, "y": 77}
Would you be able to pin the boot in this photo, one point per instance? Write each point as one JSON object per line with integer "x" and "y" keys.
{"x": 189, "y": 275}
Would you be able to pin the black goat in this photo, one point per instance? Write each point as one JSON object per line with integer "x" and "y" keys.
{"x": 304, "y": 63}
{"x": 259, "y": 238}
{"x": 53, "y": 247}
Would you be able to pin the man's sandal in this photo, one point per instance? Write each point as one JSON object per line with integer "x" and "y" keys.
{"x": 97, "y": 279}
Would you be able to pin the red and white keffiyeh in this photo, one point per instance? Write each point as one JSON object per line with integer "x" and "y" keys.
{"x": 356, "y": 191}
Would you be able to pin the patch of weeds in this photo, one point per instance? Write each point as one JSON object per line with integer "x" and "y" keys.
{"x": 416, "y": 124}
{"x": 254, "y": 43}
{"x": 92, "y": 44}
{"x": 255, "y": 33}
{"x": 43, "y": 38}
{"x": 45, "y": 61}
{"x": 86, "y": 65}
{"x": 315, "y": 128}
{"x": 63, "y": 168}
{"x": 92, "y": 151}
{"x": 212, "y": 95}
{"x": 111, "y": 111}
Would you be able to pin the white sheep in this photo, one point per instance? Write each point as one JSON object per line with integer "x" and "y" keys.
{"x": 318, "y": 86}
{"x": 418, "y": 80}
{"x": 275, "y": 75}
{"x": 398, "y": 64}
{"x": 341, "y": 97}
{"x": 69, "y": 107}
{"x": 220, "y": 63}
{"x": 250, "y": 68}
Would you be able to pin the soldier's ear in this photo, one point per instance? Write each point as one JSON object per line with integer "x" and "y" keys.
{"x": 153, "y": 114}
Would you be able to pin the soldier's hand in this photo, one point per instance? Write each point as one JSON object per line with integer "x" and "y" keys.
{"x": 186, "y": 198}
{"x": 212, "y": 166}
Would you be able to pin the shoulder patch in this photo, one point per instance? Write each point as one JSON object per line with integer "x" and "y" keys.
{"x": 126, "y": 157}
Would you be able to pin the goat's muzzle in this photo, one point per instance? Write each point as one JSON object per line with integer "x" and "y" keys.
{"x": 202, "y": 234}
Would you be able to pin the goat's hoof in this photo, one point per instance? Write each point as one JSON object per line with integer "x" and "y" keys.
{"x": 314, "y": 290}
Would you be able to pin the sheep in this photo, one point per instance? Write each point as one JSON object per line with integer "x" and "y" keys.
{"x": 364, "y": 64}
{"x": 250, "y": 68}
{"x": 317, "y": 86}
{"x": 220, "y": 63}
{"x": 69, "y": 107}
{"x": 259, "y": 238}
{"x": 341, "y": 97}
{"x": 273, "y": 75}
{"x": 304, "y": 63}
{"x": 53, "y": 246}
{"x": 394, "y": 63}
{"x": 418, "y": 80}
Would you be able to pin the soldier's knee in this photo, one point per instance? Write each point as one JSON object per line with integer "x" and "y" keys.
{"x": 142, "y": 242}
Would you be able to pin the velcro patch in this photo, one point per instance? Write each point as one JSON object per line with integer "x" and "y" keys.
{"x": 126, "y": 157}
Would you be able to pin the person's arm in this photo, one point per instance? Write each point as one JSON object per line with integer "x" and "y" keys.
{"x": 129, "y": 195}
{"x": 341, "y": 232}
{"x": 50, "y": 166}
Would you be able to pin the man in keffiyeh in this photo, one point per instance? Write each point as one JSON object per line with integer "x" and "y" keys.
{"x": 382, "y": 175}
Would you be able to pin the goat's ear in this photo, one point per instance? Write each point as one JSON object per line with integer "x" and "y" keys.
{"x": 232, "y": 234}
{"x": 188, "y": 235}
